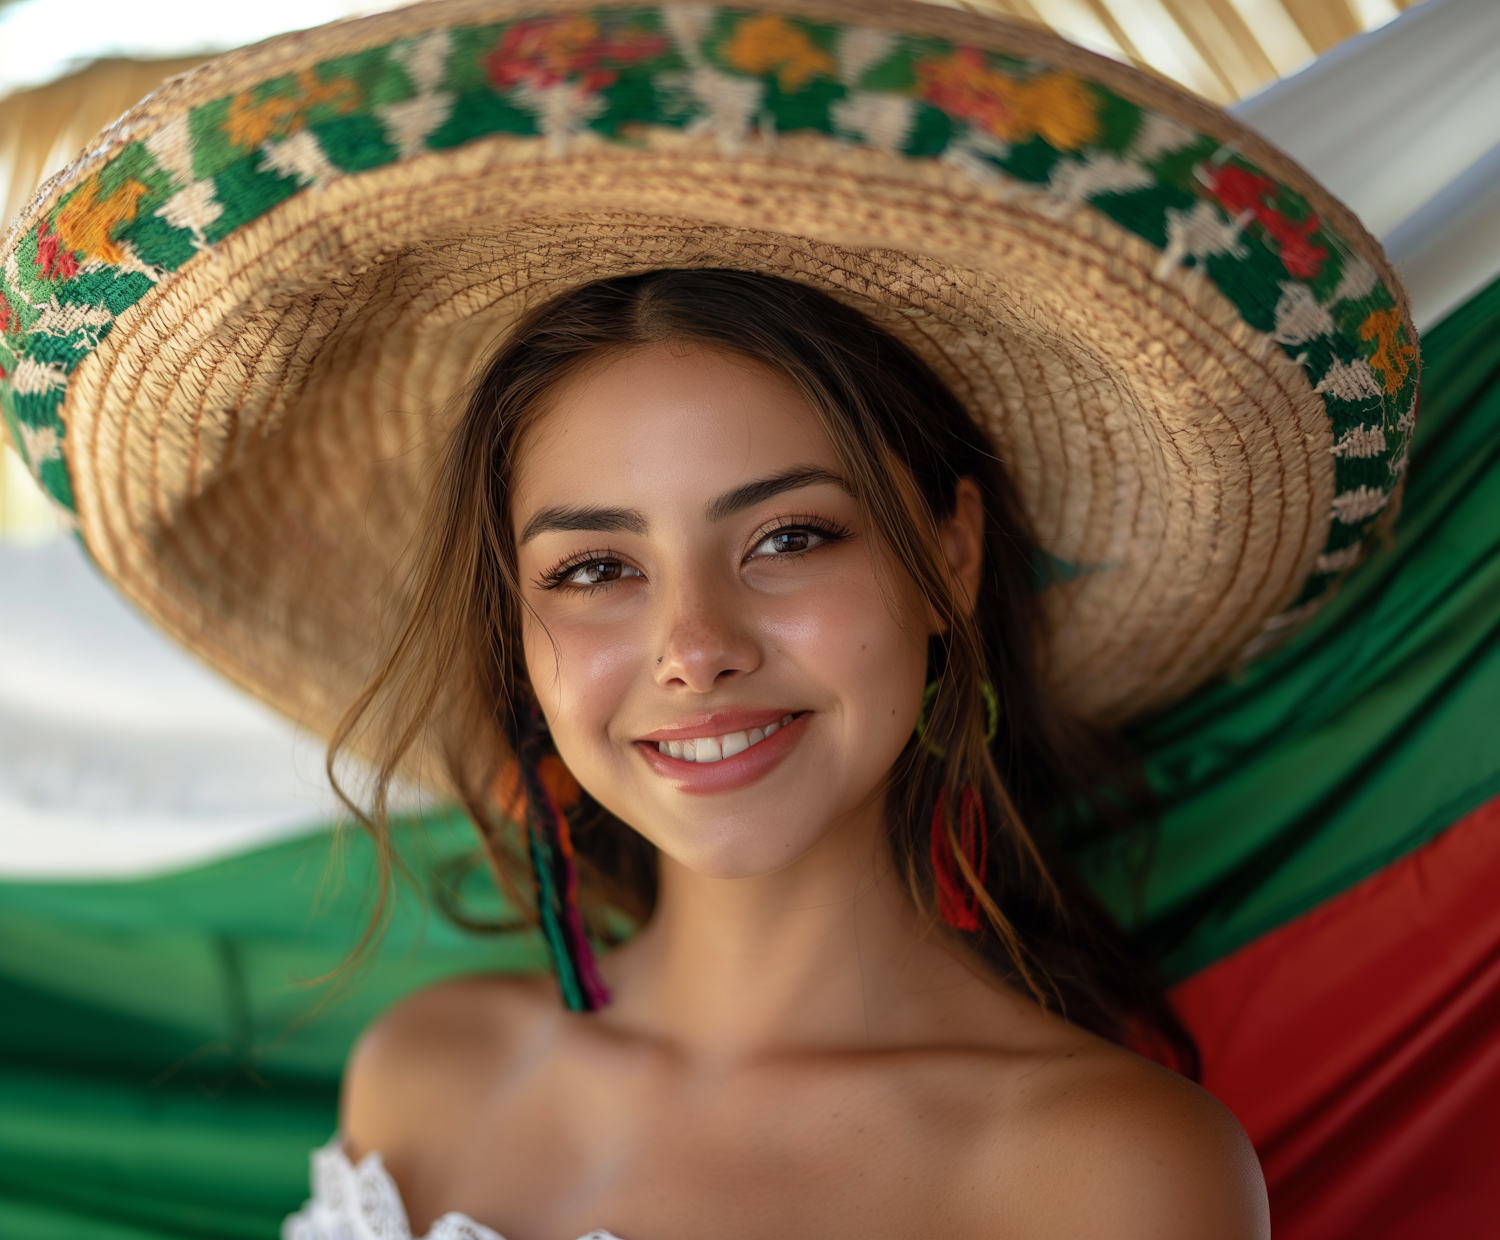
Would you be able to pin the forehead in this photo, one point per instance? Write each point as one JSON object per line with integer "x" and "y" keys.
{"x": 664, "y": 421}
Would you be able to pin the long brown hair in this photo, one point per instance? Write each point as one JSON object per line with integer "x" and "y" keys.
{"x": 994, "y": 749}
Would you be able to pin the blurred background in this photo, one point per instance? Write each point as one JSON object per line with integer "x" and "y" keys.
{"x": 176, "y": 903}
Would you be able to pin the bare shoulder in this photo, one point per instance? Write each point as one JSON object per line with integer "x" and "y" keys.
{"x": 418, "y": 1070}
{"x": 1112, "y": 1146}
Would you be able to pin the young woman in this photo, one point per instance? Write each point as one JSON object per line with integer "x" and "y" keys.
{"x": 737, "y": 558}
{"x": 876, "y": 404}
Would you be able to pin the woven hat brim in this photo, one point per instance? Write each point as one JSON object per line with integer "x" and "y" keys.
{"x": 249, "y": 441}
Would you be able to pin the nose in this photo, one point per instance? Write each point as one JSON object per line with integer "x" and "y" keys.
{"x": 706, "y": 642}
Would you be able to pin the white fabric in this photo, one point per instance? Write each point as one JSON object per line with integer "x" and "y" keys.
{"x": 1403, "y": 124}
{"x": 119, "y": 754}
{"x": 362, "y": 1203}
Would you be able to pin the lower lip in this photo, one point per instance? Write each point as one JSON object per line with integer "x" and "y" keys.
{"x": 726, "y": 774}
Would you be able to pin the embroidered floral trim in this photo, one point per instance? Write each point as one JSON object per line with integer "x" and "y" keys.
{"x": 186, "y": 187}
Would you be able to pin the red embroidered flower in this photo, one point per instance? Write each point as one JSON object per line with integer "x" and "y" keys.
{"x": 1241, "y": 190}
{"x": 56, "y": 263}
{"x": 7, "y": 316}
{"x": 558, "y": 49}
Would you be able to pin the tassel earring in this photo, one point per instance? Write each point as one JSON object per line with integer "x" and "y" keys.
{"x": 958, "y": 905}
{"x": 550, "y": 792}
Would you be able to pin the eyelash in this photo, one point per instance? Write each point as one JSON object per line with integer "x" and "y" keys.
{"x": 831, "y": 531}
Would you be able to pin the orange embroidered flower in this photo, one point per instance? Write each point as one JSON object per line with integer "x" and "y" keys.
{"x": 1393, "y": 356}
{"x": 250, "y": 123}
{"x": 83, "y": 226}
{"x": 761, "y": 44}
{"x": 556, "y": 49}
{"x": 1055, "y": 106}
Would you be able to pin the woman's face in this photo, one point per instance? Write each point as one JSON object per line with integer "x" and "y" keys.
{"x": 725, "y": 656}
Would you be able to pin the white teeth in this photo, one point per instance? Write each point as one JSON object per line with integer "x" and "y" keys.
{"x": 717, "y": 748}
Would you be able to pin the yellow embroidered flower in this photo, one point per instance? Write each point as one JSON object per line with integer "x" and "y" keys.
{"x": 250, "y": 123}
{"x": 761, "y": 44}
{"x": 1056, "y": 106}
{"x": 85, "y": 223}
{"x": 1393, "y": 356}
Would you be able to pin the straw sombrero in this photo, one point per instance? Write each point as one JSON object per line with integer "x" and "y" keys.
{"x": 234, "y": 328}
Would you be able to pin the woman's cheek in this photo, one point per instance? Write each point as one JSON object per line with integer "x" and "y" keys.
{"x": 581, "y": 673}
{"x": 847, "y": 639}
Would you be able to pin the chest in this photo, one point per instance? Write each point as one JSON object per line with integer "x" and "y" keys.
{"x": 652, "y": 1155}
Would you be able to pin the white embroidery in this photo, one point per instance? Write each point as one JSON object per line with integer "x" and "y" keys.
{"x": 882, "y": 120}
{"x": 1073, "y": 183}
{"x": 1352, "y": 381}
{"x": 300, "y": 156}
{"x": 1361, "y": 441}
{"x": 362, "y": 1203}
{"x": 973, "y": 151}
{"x": 1299, "y": 317}
{"x": 1199, "y": 233}
{"x": 425, "y": 59}
{"x": 194, "y": 208}
{"x": 172, "y": 147}
{"x": 1357, "y": 280}
{"x": 687, "y": 24}
{"x": 1338, "y": 561}
{"x": 408, "y": 123}
{"x": 38, "y": 444}
{"x": 562, "y": 110}
{"x": 1160, "y": 135}
{"x": 1354, "y": 506}
{"x": 729, "y": 105}
{"x": 858, "y": 49}
{"x": 32, "y": 378}
{"x": 65, "y": 321}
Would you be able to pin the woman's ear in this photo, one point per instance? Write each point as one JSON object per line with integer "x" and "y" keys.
{"x": 962, "y": 536}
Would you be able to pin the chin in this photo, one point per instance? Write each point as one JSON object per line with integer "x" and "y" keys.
{"x": 734, "y": 849}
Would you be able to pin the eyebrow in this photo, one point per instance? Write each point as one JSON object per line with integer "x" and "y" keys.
{"x": 763, "y": 489}
{"x": 564, "y": 520}
{"x": 632, "y": 521}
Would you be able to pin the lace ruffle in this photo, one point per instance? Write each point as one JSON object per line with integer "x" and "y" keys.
{"x": 362, "y": 1202}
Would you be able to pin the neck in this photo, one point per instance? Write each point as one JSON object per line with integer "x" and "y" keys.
{"x": 826, "y": 952}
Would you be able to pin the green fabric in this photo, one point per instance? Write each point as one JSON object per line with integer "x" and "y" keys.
{"x": 164, "y": 1068}
{"x": 1365, "y": 736}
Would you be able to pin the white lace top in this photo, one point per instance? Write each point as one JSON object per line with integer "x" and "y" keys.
{"x": 362, "y": 1203}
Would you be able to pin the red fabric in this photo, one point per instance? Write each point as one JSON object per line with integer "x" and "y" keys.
{"x": 1360, "y": 1047}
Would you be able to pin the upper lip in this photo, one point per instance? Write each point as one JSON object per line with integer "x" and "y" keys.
{"x": 719, "y": 723}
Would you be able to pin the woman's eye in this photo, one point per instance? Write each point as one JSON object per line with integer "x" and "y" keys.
{"x": 789, "y": 541}
{"x": 599, "y": 573}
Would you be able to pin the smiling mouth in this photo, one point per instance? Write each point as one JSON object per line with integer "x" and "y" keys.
{"x": 717, "y": 748}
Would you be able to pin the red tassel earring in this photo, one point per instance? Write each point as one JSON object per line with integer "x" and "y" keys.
{"x": 958, "y": 905}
